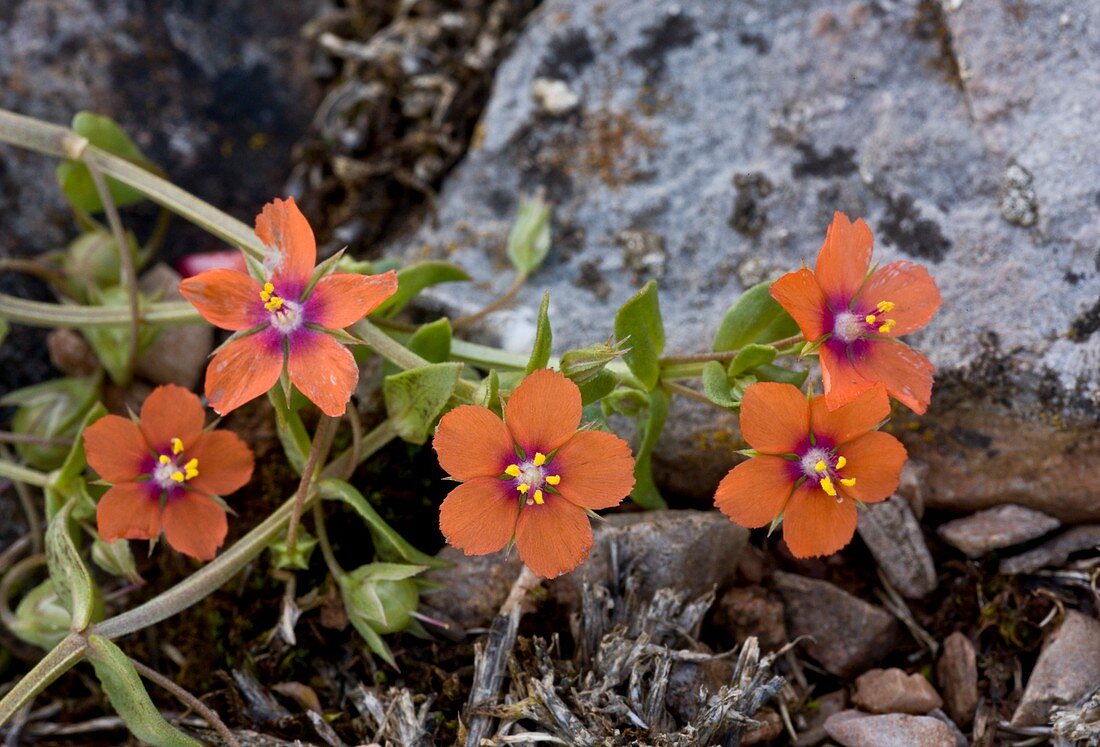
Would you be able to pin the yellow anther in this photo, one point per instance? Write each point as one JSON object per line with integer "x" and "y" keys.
{"x": 840, "y": 462}
{"x": 269, "y": 288}
{"x": 538, "y": 497}
{"x": 512, "y": 470}
{"x": 821, "y": 466}
{"x": 192, "y": 468}
{"x": 523, "y": 488}
{"x": 870, "y": 318}
{"x": 847, "y": 481}
{"x": 274, "y": 304}
{"x": 265, "y": 296}
{"x": 178, "y": 476}
{"x": 885, "y": 307}
{"x": 889, "y": 325}
{"x": 539, "y": 460}
{"x": 553, "y": 479}
{"x": 164, "y": 459}
{"x": 827, "y": 486}
{"x": 177, "y": 446}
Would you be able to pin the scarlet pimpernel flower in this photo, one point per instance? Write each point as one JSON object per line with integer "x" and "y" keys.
{"x": 813, "y": 465}
{"x": 531, "y": 477}
{"x": 285, "y": 318}
{"x": 856, "y": 316}
{"x": 166, "y": 471}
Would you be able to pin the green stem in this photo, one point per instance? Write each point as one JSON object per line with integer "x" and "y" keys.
{"x": 318, "y": 450}
{"x": 14, "y": 471}
{"x": 61, "y": 659}
{"x": 334, "y": 566}
{"x": 214, "y": 574}
{"x": 399, "y": 355}
{"x": 40, "y": 314}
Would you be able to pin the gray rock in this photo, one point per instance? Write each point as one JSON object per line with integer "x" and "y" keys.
{"x": 750, "y": 611}
{"x": 472, "y": 589}
{"x": 178, "y": 355}
{"x": 1053, "y": 552}
{"x": 734, "y": 131}
{"x": 855, "y": 729}
{"x": 894, "y": 691}
{"x": 996, "y": 528}
{"x": 1067, "y": 669}
{"x": 893, "y": 535}
{"x": 957, "y": 674}
{"x": 848, "y": 634}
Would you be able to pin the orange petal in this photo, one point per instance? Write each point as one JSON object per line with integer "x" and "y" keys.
{"x": 843, "y": 383}
{"x": 342, "y": 299}
{"x": 473, "y": 442}
{"x": 543, "y": 411}
{"x": 854, "y": 419}
{"x": 553, "y": 538}
{"x": 128, "y": 511}
{"x": 323, "y": 369}
{"x": 799, "y": 293}
{"x": 171, "y": 412}
{"x": 753, "y": 493}
{"x": 775, "y": 418}
{"x": 843, "y": 260}
{"x": 596, "y": 469}
{"x": 912, "y": 291}
{"x": 479, "y": 516}
{"x": 225, "y": 463}
{"x": 195, "y": 525}
{"x": 815, "y": 524}
{"x": 116, "y": 449}
{"x": 906, "y": 373}
{"x": 243, "y": 370}
{"x": 875, "y": 459}
{"x": 282, "y": 227}
{"x": 226, "y": 298}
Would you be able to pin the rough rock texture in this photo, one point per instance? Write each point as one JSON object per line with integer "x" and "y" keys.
{"x": 855, "y": 729}
{"x": 849, "y": 634}
{"x": 996, "y": 528}
{"x": 726, "y": 135}
{"x": 1067, "y": 669}
{"x": 893, "y": 535}
{"x": 1054, "y": 551}
{"x": 827, "y": 705}
{"x": 693, "y": 552}
{"x": 749, "y": 611}
{"x": 957, "y": 674}
{"x": 894, "y": 691}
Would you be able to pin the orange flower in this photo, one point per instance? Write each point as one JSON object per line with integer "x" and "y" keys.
{"x": 532, "y": 477}
{"x": 814, "y": 465}
{"x": 286, "y": 320}
{"x": 165, "y": 470}
{"x": 857, "y": 315}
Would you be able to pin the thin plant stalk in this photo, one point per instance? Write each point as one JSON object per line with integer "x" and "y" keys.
{"x": 63, "y": 657}
{"x": 503, "y": 300}
{"x": 22, "y": 474}
{"x": 74, "y": 316}
{"x": 188, "y": 700}
{"x": 322, "y": 439}
{"x": 334, "y": 566}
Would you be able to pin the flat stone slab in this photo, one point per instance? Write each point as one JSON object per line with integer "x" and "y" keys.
{"x": 1068, "y": 668}
{"x": 996, "y": 528}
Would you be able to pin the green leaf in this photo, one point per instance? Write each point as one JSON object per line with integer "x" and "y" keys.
{"x": 50, "y": 410}
{"x": 597, "y": 387}
{"x": 116, "y": 558}
{"x": 529, "y": 240}
{"x": 750, "y": 356}
{"x": 431, "y": 341}
{"x": 716, "y": 384}
{"x": 639, "y": 323}
{"x": 291, "y": 431}
{"x": 772, "y": 372}
{"x": 41, "y": 618}
{"x": 128, "y": 696}
{"x": 389, "y": 545}
{"x": 415, "y": 278}
{"x": 415, "y": 398}
{"x": 71, "y": 579}
{"x": 645, "y": 492}
{"x": 76, "y": 182}
{"x": 5, "y": 330}
{"x": 75, "y": 460}
{"x": 540, "y": 352}
{"x": 755, "y": 317}
{"x": 488, "y": 392}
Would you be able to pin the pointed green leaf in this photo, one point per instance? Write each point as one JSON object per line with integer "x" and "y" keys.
{"x": 415, "y": 398}
{"x": 771, "y": 372}
{"x": 597, "y": 387}
{"x": 750, "y": 356}
{"x": 645, "y": 492}
{"x": 716, "y": 384}
{"x": 128, "y": 696}
{"x": 639, "y": 323}
{"x": 540, "y": 352}
{"x": 415, "y": 278}
{"x": 71, "y": 579}
{"x": 529, "y": 240}
{"x": 488, "y": 392}
{"x": 755, "y": 317}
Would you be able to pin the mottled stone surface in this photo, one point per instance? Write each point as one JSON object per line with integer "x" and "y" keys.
{"x": 1054, "y": 551}
{"x": 848, "y": 634}
{"x": 730, "y": 132}
{"x": 893, "y": 535}
{"x": 957, "y": 675}
{"x": 895, "y": 691}
{"x": 1067, "y": 669}
{"x": 996, "y": 528}
{"x": 750, "y": 611}
{"x": 856, "y": 729}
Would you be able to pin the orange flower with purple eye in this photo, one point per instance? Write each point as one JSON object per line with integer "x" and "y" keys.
{"x": 856, "y": 315}
{"x": 813, "y": 465}
{"x": 166, "y": 470}
{"x": 532, "y": 477}
{"x": 285, "y": 319}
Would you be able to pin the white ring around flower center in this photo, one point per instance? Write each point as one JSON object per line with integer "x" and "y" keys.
{"x": 848, "y": 326}
{"x": 162, "y": 474}
{"x": 533, "y": 476}
{"x": 287, "y": 318}
{"x": 811, "y": 459}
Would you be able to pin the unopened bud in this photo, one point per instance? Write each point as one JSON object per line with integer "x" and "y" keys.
{"x": 115, "y": 558}
{"x": 584, "y": 364}
{"x": 381, "y": 596}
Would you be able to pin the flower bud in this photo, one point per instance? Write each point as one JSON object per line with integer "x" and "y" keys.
{"x": 115, "y": 558}
{"x": 584, "y": 364}
{"x": 91, "y": 261}
{"x": 381, "y": 596}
